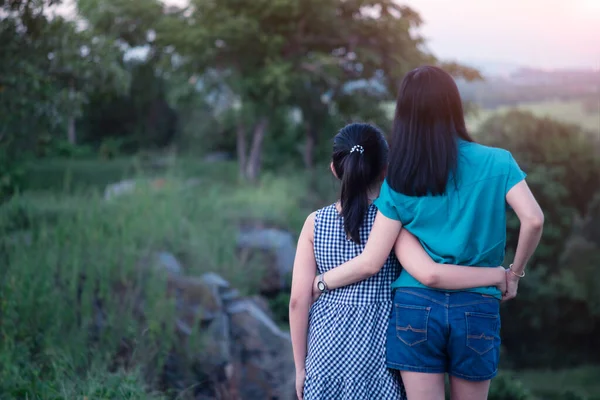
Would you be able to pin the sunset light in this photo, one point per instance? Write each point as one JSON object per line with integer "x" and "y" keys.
{"x": 591, "y": 5}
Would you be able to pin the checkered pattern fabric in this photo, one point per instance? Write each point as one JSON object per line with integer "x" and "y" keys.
{"x": 347, "y": 326}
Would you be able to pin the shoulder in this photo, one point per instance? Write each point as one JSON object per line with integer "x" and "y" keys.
{"x": 308, "y": 230}
{"x": 312, "y": 218}
{"x": 498, "y": 157}
{"x": 478, "y": 148}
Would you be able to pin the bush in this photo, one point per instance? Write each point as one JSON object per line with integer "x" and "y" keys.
{"x": 280, "y": 308}
{"x": 572, "y": 395}
{"x": 79, "y": 248}
{"x": 505, "y": 387}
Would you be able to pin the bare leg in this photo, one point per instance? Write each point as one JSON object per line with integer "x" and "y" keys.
{"x": 422, "y": 386}
{"x": 468, "y": 390}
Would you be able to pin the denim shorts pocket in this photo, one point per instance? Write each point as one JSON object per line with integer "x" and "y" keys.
{"x": 411, "y": 323}
{"x": 482, "y": 330}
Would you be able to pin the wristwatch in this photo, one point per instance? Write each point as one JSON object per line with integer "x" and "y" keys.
{"x": 321, "y": 285}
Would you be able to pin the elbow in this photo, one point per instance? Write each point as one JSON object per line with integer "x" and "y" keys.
{"x": 370, "y": 270}
{"x": 535, "y": 222}
{"x": 369, "y": 265}
{"x": 298, "y": 303}
{"x": 431, "y": 280}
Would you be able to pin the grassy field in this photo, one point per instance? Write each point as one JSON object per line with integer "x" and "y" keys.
{"x": 61, "y": 228}
{"x": 565, "y": 111}
{"x": 551, "y": 385}
{"x": 75, "y": 230}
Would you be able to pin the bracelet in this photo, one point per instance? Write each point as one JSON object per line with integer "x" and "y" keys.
{"x": 513, "y": 272}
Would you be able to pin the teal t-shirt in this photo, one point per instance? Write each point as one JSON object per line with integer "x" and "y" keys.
{"x": 466, "y": 225}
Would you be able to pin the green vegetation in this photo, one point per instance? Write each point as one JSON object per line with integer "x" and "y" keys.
{"x": 53, "y": 241}
{"x": 133, "y": 89}
{"x": 571, "y": 112}
{"x": 555, "y": 384}
{"x": 82, "y": 233}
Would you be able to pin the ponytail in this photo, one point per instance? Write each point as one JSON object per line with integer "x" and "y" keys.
{"x": 360, "y": 154}
{"x": 354, "y": 194}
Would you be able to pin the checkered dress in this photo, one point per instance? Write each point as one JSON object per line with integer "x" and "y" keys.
{"x": 347, "y": 326}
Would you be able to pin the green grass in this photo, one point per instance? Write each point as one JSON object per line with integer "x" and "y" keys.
{"x": 72, "y": 175}
{"x": 44, "y": 350}
{"x": 551, "y": 384}
{"x": 565, "y": 111}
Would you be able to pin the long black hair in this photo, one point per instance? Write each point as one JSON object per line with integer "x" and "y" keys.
{"x": 360, "y": 155}
{"x": 428, "y": 122}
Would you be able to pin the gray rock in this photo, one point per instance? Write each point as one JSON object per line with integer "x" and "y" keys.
{"x": 229, "y": 295}
{"x": 168, "y": 262}
{"x": 263, "y": 304}
{"x": 243, "y": 353}
{"x": 262, "y": 352}
{"x": 278, "y": 242}
{"x": 212, "y": 279}
{"x": 218, "y": 156}
{"x": 120, "y": 188}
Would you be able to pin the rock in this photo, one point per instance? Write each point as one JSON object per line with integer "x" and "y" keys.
{"x": 195, "y": 300}
{"x": 264, "y": 365}
{"x": 240, "y": 339}
{"x": 228, "y": 346}
{"x": 278, "y": 242}
{"x": 230, "y": 295}
{"x": 215, "y": 280}
{"x": 263, "y": 304}
{"x": 120, "y": 188}
{"x": 217, "y": 157}
{"x": 168, "y": 262}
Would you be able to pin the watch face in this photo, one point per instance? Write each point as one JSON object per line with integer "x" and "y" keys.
{"x": 321, "y": 286}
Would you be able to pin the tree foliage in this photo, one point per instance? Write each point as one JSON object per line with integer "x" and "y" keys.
{"x": 49, "y": 69}
{"x": 321, "y": 57}
{"x": 563, "y": 167}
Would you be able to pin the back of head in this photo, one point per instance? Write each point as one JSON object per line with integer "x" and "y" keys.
{"x": 360, "y": 155}
{"x": 429, "y": 120}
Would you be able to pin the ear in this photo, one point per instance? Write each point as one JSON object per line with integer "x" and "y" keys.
{"x": 332, "y": 168}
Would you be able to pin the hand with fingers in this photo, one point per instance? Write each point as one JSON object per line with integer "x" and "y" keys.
{"x": 300, "y": 378}
{"x": 512, "y": 284}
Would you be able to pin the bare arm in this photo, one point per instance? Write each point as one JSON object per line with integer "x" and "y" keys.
{"x": 382, "y": 239}
{"x": 520, "y": 198}
{"x": 371, "y": 260}
{"x": 531, "y": 217}
{"x": 419, "y": 264}
{"x": 304, "y": 272}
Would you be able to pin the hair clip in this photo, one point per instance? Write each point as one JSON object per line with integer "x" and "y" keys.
{"x": 358, "y": 148}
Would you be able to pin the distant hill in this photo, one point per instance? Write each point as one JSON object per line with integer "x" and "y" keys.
{"x": 533, "y": 76}
{"x": 526, "y": 85}
{"x": 493, "y": 69}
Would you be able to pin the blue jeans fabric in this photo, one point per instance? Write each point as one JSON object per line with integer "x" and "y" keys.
{"x": 433, "y": 331}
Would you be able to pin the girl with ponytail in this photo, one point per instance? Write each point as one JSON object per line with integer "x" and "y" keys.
{"x": 339, "y": 341}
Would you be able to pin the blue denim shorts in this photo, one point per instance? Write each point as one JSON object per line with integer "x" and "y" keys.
{"x": 444, "y": 332}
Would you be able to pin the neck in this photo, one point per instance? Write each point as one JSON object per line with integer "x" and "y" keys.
{"x": 373, "y": 193}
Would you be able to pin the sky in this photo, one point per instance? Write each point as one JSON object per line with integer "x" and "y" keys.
{"x": 537, "y": 33}
{"x": 511, "y": 33}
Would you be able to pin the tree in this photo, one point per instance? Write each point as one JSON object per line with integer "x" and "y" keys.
{"x": 50, "y": 67}
{"x": 563, "y": 168}
{"x": 304, "y": 54}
